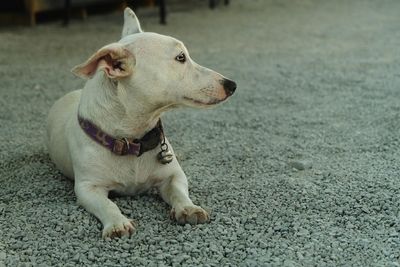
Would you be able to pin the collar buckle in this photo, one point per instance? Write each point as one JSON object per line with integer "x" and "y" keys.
{"x": 121, "y": 146}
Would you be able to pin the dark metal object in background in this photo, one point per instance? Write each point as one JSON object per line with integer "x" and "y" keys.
{"x": 67, "y": 12}
{"x": 213, "y": 3}
{"x": 163, "y": 12}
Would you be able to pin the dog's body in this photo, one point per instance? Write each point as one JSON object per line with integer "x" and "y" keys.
{"x": 131, "y": 83}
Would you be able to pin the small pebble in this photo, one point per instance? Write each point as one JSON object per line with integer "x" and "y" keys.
{"x": 301, "y": 164}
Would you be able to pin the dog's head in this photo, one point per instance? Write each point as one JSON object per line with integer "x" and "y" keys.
{"x": 156, "y": 69}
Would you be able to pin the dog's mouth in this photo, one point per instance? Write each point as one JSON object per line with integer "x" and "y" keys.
{"x": 213, "y": 101}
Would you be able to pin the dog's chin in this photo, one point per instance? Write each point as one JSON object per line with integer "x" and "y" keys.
{"x": 200, "y": 103}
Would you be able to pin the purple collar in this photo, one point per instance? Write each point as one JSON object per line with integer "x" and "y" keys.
{"x": 124, "y": 146}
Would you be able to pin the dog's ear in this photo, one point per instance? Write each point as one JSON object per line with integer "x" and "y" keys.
{"x": 113, "y": 59}
{"x": 131, "y": 23}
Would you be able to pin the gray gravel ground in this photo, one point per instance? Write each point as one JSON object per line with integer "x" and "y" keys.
{"x": 299, "y": 168}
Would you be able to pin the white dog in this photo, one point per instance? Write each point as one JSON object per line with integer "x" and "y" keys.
{"x": 109, "y": 137}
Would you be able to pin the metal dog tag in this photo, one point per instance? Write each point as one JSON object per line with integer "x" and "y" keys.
{"x": 165, "y": 156}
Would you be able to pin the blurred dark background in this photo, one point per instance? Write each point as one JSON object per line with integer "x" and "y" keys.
{"x": 31, "y": 12}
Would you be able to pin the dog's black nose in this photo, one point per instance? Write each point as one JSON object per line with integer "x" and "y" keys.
{"x": 229, "y": 86}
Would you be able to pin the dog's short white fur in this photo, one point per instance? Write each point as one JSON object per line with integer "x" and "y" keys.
{"x": 130, "y": 84}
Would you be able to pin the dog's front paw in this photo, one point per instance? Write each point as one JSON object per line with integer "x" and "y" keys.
{"x": 190, "y": 214}
{"x": 121, "y": 228}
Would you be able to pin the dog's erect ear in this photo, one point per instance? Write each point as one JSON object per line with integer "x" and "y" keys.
{"x": 114, "y": 59}
{"x": 131, "y": 23}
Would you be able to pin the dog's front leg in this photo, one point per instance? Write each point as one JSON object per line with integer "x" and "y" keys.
{"x": 174, "y": 191}
{"x": 95, "y": 200}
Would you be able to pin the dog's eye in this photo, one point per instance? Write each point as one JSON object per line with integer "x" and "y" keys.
{"x": 181, "y": 58}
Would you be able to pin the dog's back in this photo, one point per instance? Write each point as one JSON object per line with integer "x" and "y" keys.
{"x": 58, "y": 120}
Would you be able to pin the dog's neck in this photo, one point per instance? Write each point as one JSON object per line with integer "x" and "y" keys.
{"x": 102, "y": 102}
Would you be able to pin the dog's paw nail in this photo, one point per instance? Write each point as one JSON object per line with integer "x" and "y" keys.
{"x": 172, "y": 214}
{"x": 120, "y": 229}
{"x": 191, "y": 215}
